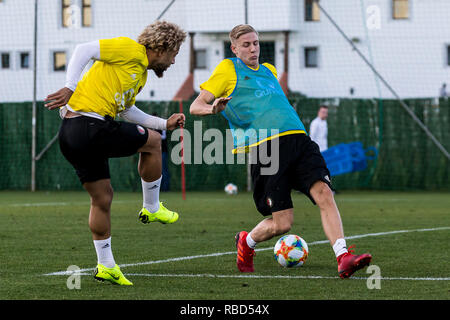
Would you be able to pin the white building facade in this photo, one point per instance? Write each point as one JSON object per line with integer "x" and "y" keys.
{"x": 406, "y": 41}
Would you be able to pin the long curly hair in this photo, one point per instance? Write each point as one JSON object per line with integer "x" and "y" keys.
{"x": 162, "y": 36}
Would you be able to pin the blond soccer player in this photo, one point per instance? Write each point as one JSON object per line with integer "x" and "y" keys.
{"x": 249, "y": 96}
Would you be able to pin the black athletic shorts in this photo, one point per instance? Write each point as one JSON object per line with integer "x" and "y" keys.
{"x": 87, "y": 143}
{"x": 300, "y": 165}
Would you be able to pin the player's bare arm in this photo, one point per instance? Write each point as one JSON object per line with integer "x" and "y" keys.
{"x": 201, "y": 105}
{"x": 58, "y": 98}
{"x": 176, "y": 120}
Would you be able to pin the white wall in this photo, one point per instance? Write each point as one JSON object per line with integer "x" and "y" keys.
{"x": 123, "y": 18}
{"x": 410, "y": 54}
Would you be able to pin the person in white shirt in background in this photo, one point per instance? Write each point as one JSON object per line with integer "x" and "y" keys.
{"x": 443, "y": 91}
{"x": 318, "y": 130}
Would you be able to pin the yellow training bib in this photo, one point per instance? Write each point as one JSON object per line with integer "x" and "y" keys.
{"x": 222, "y": 81}
{"x": 112, "y": 83}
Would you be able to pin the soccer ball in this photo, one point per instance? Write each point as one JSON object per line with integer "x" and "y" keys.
{"x": 291, "y": 251}
{"x": 231, "y": 188}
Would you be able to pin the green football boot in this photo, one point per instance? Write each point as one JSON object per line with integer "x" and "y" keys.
{"x": 163, "y": 215}
{"x": 113, "y": 275}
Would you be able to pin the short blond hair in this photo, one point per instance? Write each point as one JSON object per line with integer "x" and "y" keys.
{"x": 162, "y": 36}
{"x": 240, "y": 30}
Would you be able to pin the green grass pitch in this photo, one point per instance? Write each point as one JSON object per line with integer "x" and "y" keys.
{"x": 46, "y": 232}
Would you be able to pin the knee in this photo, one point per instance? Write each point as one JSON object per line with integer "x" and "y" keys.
{"x": 153, "y": 144}
{"x": 281, "y": 227}
{"x": 322, "y": 193}
{"x": 104, "y": 199}
{"x": 156, "y": 143}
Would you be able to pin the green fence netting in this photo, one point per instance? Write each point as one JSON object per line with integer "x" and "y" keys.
{"x": 407, "y": 158}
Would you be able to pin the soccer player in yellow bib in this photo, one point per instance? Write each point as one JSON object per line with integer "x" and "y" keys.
{"x": 249, "y": 96}
{"x": 89, "y": 134}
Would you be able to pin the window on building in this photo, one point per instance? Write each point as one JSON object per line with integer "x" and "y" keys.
{"x": 74, "y": 10}
{"x": 400, "y": 9}
{"x": 24, "y": 60}
{"x": 227, "y": 50}
{"x": 5, "y": 63}
{"x": 266, "y": 51}
{"x": 59, "y": 61}
{"x": 66, "y": 13}
{"x": 312, "y": 11}
{"x": 200, "y": 59}
{"x": 311, "y": 57}
{"x": 86, "y": 13}
{"x": 448, "y": 55}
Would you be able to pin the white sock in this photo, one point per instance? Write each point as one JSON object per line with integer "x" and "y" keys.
{"x": 150, "y": 192}
{"x": 250, "y": 242}
{"x": 104, "y": 252}
{"x": 340, "y": 247}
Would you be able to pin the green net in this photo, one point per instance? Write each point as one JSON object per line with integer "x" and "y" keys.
{"x": 407, "y": 159}
{"x": 318, "y": 52}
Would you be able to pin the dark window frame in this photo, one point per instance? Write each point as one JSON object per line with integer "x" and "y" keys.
{"x": 84, "y": 7}
{"x": 448, "y": 55}
{"x": 394, "y": 17}
{"x": 59, "y": 69}
{"x": 306, "y": 51}
{"x": 5, "y": 54}
{"x": 64, "y": 7}
{"x": 309, "y": 11}
{"x": 197, "y": 65}
{"x": 22, "y": 56}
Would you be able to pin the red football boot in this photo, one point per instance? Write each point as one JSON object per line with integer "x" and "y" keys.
{"x": 348, "y": 262}
{"x": 245, "y": 254}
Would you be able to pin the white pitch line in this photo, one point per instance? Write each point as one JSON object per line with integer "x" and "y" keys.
{"x": 54, "y": 204}
{"x": 45, "y": 204}
{"x": 68, "y": 203}
{"x": 62, "y": 273}
{"x": 275, "y": 277}
{"x": 83, "y": 202}
{"x": 253, "y": 276}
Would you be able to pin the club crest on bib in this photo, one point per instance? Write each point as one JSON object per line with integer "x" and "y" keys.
{"x": 140, "y": 129}
{"x": 269, "y": 202}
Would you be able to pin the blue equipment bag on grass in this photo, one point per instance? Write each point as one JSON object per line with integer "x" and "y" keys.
{"x": 347, "y": 157}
